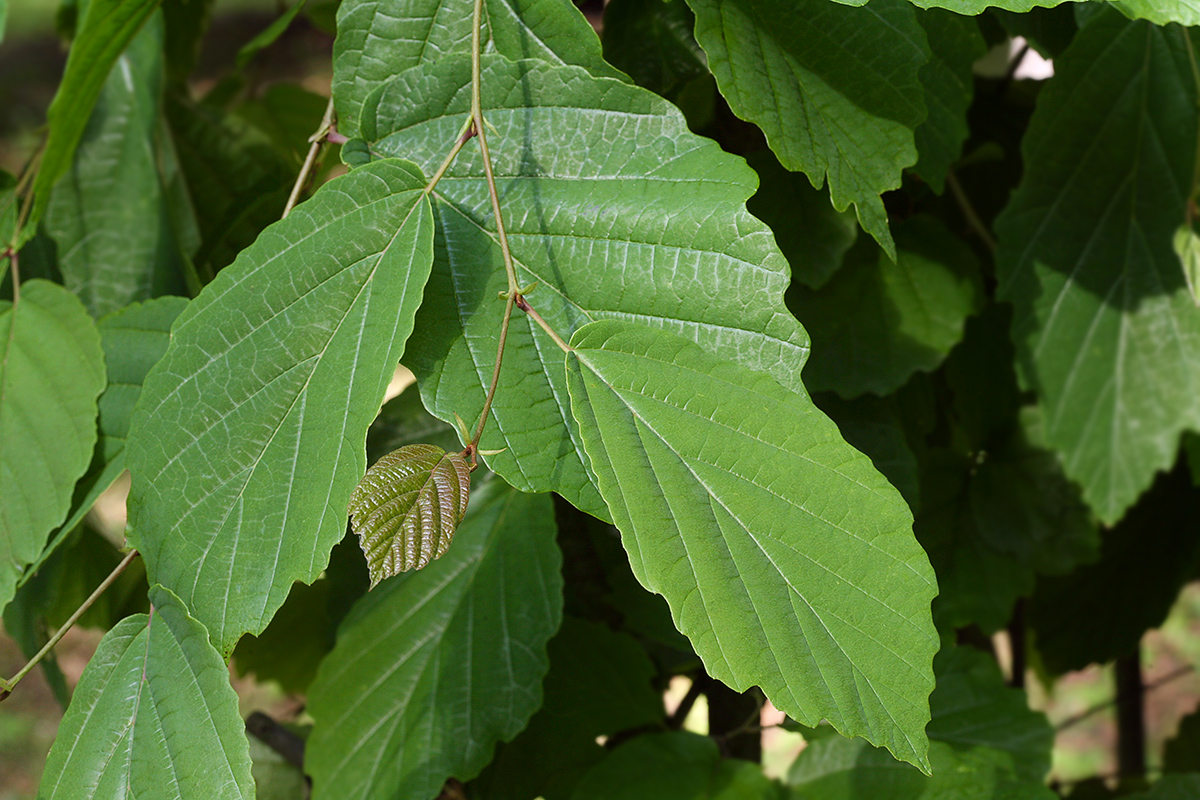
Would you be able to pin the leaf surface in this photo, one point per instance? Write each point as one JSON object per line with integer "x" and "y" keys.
{"x": 835, "y": 89}
{"x": 785, "y": 557}
{"x": 1106, "y": 331}
{"x": 153, "y": 716}
{"x": 615, "y": 208}
{"x": 51, "y": 372}
{"x": 432, "y": 668}
{"x": 250, "y": 433}
{"x": 1185, "y": 12}
{"x": 378, "y": 39}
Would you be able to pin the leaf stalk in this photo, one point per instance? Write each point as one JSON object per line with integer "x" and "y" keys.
{"x": 317, "y": 139}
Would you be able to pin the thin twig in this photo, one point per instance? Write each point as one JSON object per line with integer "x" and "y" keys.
{"x": 968, "y": 211}
{"x": 317, "y": 140}
{"x": 6, "y": 686}
{"x": 679, "y": 715}
{"x": 523, "y": 304}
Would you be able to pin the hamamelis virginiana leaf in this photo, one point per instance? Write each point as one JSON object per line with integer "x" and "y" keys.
{"x": 407, "y": 506}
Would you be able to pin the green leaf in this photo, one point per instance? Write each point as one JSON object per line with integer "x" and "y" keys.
{"x": 268, "y": 35}
{"x": 3, "y": 17}
{"x": 292, "y": 646}
{"x": 973, "y": 6}
{"x": 835, "y": 89}
{"x": 153, "y": 716}
{"x": 187, "y": 22}
{"x": 674, "y": 766}
{"x": 973, "y": 706}
{"x": 594, "y": 175}
{"x": 872, "y": 425}
{"x": 287, "y": 115}
{"x": 407, "y": 507}
{"x": 250, "y": 433}
{"x": 51, "y": 371}
{"x": 786, "y": 558}
{"x": 1106, "y": 330}
{"x": 104, "y": 32}
{"x": 403, "y": 420}
{"x": 1147, "y": 557}
{"x": 378, "y": 39}
{"x": 653, "y": 44}
{"x": 1048, "y": 30}
{"x": 1181, "y": 753}
{"x": 1160, "y": 12}
{"x": 108, "y": 215}
{"x": 434, "y": 667}
{"x": 1171, "y": 787}
{"x": 879, "y": 320}
{"x": 955, "y": 44}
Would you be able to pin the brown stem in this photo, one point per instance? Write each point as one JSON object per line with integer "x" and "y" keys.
{"x": 317, "y": 140}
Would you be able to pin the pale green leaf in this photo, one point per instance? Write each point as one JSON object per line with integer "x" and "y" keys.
{"x": 153, "y": 716}
{"x": 106, "y": 29}
{"x": 108, "y": 214}
{"x": 785, "y": 557}
{"x": 433, "y": 668}
{"x": 378, "y": 39}
{"x": 407, "y": 507}
{"x": 1106, "y": 330}
{"x": 250, "y": 432}
{"x": 615, "y": 209}
{"x": 834, "y": 89}
{"x": 51, "y": 372}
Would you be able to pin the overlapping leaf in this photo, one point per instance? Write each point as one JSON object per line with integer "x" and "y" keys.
{"x": 433, "y": 668}
{"x": 378, "y": 39}
{"x": 955, "y": 44}
{"x": 171, "y": 727}
{"x": 1106, "y": 330}
{"x": 786, "y": 558}
{"x": 615, "y": 208}
{"x": 51, "y": 371}
{"x": 835, "y": 89}
{"x": 249, "y": 436}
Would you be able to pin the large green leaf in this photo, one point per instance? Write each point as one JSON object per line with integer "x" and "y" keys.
{"x": 615, "y": 208}
{"x": 103, "y": 33}
{"x": 1106, "y": 330}
{"x": 1185, "y": 12}
{"x": 153, "y": 716}
{"x": 835, "y": 89}
{"x": 108, "y": 214}
{"x": 786, "y": 558}
{"x": 249, "y": 436}
{"x": 653, "y": 43}
{"x": 51, "y": 371}
{"x": 378, "y": 39}
{"x": 433, "y": 668}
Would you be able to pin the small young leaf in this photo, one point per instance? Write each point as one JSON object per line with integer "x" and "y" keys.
{"x": 407, "y": 506}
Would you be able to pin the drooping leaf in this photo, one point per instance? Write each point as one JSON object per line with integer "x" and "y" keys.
{"x": 835, "y": 89}
{"x": 250, "y": 433}
{"x": 1106, "y": 331}
{"x": 106, "y": 29}
{"x": 877, "y": 321}
{"x": 786, "y": 558}
{"x": 432, "y": 668}
{"x": 378, "y": 39}
{"x": 109, "y": 216}
{"x": 153, "y": 716}
{"x": 51, "y": 372}
{"x": 676, "y": 765}
{"x": 1146, "y": 557}
{"x": 407, "y": 507}
{"x": 615, "y": 208}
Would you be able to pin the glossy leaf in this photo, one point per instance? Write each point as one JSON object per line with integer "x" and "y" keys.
{"x": 955, "y": 44}
{"x": 109, "y": 215}
{"x": 249, "y": 436}
{"x": 407, "y": 507}
{"x": 786, "y": 558}
{"x": 378, "y": 39}
{"x": 1106, "y": 330}
{"x": 106, "y": 29}
{"x": 434, "y": 667}
{"x": 51, "y": 372}
{"x": 675, "y": 766}
{"x": 835, "y": 89}
{"x": 171, "y": 727}
{"x": 615, "y": 208}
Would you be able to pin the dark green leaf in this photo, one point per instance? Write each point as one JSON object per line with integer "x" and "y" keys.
{"x": 51, "y": 372}
{"x": 154, "y": 716}
{"x": 835, "y": 89}
{"x": 250, "y": 433}
{"x": 1171, "y": 787}
{"x": 955, "y": 44}
{"x": 404, "y": 420}
{"x": 287, "y": 115}
{"x": 1106, "y": 330}
{"x": 615, "y": 208}
{"x": 292, "y": 646}
{"x": 652, "y": 42}
{"x": 186, "y": 24}
{"x": 378, "y": 39}
{"x": 872, "y": 425}
{"x": 1047, "y": 30}
{"x": 407, "y": 507}
{"x": 269, "y": 35}
{"x": 1181, "y": 753}
{"x": 433, "y": 668}
{"x": 982, "y": 378}
{"x": 786, "y": 558}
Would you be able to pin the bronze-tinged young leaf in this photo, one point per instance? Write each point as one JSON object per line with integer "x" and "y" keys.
{"x": 407, "y": 506}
